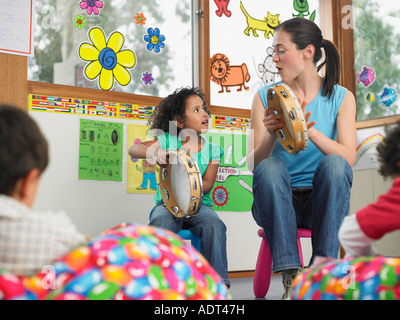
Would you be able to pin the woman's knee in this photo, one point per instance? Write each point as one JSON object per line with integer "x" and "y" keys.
{"x": 334, "y": 167}
{"x": 270, "y": 169}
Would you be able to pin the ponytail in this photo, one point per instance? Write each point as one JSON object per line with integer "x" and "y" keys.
{"x": 305, "y": 32}
{"x": 332, "y": 65}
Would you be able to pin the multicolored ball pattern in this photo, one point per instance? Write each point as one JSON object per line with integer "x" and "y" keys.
{"x": 364, "y": 278}
{"x": 128, "y": 262}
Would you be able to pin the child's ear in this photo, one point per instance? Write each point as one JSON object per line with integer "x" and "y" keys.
{"x": 29, "y": 186}
{"x": 179, "y": 122}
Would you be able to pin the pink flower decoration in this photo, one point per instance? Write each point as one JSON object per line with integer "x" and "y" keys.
{"x": 91, "y": 6}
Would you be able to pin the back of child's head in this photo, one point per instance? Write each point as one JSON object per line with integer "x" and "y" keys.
{"x": 173, "y": 107}
{"x": 389, "y": 152}
{"x": 22, "y": 147}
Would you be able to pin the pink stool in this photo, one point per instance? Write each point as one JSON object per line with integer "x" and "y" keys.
{"x": 262, "y": 274}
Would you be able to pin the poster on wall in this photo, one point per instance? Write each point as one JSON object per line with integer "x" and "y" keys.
{"x": 232, "y": 189}
{"x": 367, "y": 141}
{"x": 16, "y": 26}
{"x": 233, "y": 186}
{"x": 142, "y": 174}
{"x": 100, "y": 150}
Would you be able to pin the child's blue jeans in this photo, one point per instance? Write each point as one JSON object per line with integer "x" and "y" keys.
{"x": 207, "y": 225}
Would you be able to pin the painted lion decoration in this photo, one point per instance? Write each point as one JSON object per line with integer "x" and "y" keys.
{"x": 225, "y": 75}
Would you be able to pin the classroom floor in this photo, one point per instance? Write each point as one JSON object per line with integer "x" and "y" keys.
{"x": 242, "y": 289}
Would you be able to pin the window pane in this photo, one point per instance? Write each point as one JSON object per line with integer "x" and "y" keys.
{"x": 249, "y": 52}
{"x": 62, "y": 26}
{"x": 377, "y": 58}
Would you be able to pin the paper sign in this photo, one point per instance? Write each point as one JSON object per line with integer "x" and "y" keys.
{"x": 100, "y": 150}
{"x": 16, "y": 27}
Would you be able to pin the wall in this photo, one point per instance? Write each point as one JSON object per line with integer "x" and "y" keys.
{"x": 95, "y": 206}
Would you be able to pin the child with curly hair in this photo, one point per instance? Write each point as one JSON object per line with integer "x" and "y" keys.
{"x": 178, "y": 122}
{"x": 360, "y": 230}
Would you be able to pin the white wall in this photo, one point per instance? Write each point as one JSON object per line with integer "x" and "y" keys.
{"x": 95, "y": 206}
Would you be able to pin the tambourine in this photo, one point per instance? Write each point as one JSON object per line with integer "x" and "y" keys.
{"x": 181, "y": 184}
{"x": 294, "y": 136}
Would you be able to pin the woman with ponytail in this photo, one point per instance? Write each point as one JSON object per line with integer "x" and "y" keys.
{"x": 310, "y": 189}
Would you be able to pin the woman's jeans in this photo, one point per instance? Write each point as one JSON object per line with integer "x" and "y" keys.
{"x": 207, "y": 225}
{"x": 280, "y": 209}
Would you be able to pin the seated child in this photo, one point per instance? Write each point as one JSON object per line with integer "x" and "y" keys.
{"x": 179, "y": 121}
{"x": 28, "y": 240}
{"x": 360, "y": 230}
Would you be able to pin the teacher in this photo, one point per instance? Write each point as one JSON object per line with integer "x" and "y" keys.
{"x": 311, "y": 188}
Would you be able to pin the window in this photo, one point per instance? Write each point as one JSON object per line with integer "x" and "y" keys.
{"x": 181, "y": 62}
{"x": 62, "y": 26}
{"x": 377, "y": 58}
{"x": 246, "y": 50}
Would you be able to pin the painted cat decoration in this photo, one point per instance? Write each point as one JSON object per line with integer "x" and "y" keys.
{"x": 268, "y": 25}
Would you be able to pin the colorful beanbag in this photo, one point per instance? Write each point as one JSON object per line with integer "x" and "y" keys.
{"x": 127, "y": 262}
{"x": 365, "y": 278}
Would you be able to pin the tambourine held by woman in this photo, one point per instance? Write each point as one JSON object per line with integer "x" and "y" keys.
{"x": 181, "y": 184}
{"x": 293, "y": 136}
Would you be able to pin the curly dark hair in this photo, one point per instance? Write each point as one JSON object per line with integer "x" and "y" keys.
{"x": 173, "y": 107}
{"x": 389, "y": 152}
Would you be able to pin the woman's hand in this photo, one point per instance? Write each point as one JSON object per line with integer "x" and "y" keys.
{"x": 307, "y": 117}
{"x": 272, "y": 121}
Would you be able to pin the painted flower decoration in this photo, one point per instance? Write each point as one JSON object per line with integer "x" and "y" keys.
{"x": 79, "y": 22}
{"x": 140, "y": 19}
{"x": 154, "y": 39}
{"x": 91, "y": 6}
{"x": 147, "y": 78}
{"x": 107, "y": 58}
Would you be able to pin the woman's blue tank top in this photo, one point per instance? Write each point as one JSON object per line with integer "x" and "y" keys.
{"x": 302, "y": 166}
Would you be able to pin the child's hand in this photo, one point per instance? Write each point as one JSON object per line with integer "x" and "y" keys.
{"x": 160, "y": 157}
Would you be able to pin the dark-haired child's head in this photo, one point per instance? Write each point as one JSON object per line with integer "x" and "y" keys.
{"x": 22, "y": 147}
{"x": 389, "y": 153}
{"x": 173, "y": 108}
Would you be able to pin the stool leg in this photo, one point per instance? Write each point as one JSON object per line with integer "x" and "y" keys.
{"x": 262, "y": 274}
{"x": 195, "y": 240}
{"x": 300, "y": 251}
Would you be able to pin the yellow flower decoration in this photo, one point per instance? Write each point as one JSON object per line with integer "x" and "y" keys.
{"x": 107, "y": 58}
